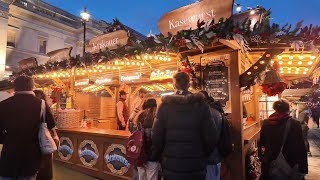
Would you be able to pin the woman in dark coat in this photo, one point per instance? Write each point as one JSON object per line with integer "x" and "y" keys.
{"x": 271, "y": 138}
{"x": 45, "y": 172}
{"x": 145, "y": 119}
{"x": 20, "y": 120}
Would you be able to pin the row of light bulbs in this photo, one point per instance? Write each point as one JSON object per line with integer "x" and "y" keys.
{"x": 128, "y": 63}
{"x": 157, "y": 57}
{"x": 312, "y": 57}
{"x": 290, "y": 62}
{"x": 296, "y": 72}
{"x": 239, "y": 8}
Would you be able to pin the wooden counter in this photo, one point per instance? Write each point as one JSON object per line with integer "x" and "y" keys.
{"x": 97, "y": 152}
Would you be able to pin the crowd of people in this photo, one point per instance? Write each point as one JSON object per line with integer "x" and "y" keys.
{"x": 180, "y": 140}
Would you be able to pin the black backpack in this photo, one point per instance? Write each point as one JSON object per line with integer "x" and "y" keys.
{"x": 225, "y": 145}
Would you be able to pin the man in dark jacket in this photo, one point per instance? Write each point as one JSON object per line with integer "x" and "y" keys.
{"x": 20, "y": 120}
{"x": 183, "y": 133}
{"x": 214, "y": 161}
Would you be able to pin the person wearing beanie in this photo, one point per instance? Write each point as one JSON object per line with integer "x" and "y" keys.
{"x": 183, "y": 133}
{"x": 272, "y": 138}
{"x": 122, "y": 111}
{"x": 20, "y": 120}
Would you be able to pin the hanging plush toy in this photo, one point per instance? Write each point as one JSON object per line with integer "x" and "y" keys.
{"x": 273, "y": 84}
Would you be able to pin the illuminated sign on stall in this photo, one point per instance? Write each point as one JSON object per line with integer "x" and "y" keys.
{"x": 159, "y": 75}
{"x": 130, "y": 78}
{"x": 82, "y": 82}
{"x": 103, "y": 81}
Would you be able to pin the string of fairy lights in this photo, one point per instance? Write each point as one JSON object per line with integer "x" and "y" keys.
{"x": 239, "y": 7}
{"x": 293, "y": 63}
{"x": 116, "y": 64}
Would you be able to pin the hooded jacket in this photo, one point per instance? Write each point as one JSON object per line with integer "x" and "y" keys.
{"x": 271, "y": 138}
{"x": 183, "y": 137}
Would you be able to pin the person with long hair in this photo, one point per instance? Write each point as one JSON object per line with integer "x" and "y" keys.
{"x": 145, "y": 120}
{"x": 45, "y": 172}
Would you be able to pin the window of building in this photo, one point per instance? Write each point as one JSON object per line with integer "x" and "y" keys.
{"x": 11, "y": 39}
{"x": 42, "y": 46}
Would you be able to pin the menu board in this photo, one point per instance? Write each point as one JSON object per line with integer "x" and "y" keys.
{"x": 216, "y": 79}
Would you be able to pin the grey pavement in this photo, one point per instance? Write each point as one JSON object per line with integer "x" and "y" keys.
{"x": 314, "y": 161}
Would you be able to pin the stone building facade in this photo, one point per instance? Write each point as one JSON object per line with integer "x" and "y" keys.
{"x": 32, "y": 28}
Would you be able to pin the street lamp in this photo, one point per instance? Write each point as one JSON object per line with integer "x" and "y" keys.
{"x": 85, "y": 16}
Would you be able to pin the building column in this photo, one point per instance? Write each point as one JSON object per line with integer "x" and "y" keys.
{"x": 4, "y": 14}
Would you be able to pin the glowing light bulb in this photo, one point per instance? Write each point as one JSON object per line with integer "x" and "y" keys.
{"x": 238, "y": 8}
{"x": 122, "y": 63}
{"x": 150, "y": 57}
{"x": 297, "y": 69}
{"x": 301, "y": 56}
{"x": 118, "y": 67}
{"x": 312, "y": 57}
{"x": 95, "y": 70}
{"x": 280, "y": 62}
{"x": 77, "y": 74}
{"x": 261, "y": 62}
{"x": 138, "y": 63}
{"x": 165, "y": 58}
{"x": 113, "y": 67}
{"x": 310, "y": 62}
{"x": 100, "y": 70}
{"x": 306, "y": 69}
{"x": 160, "y": 58}
{"x": 272, "y": 61}
{"x": 281, "y": 72}
{"x": 304, "y": 72}
{"x": 252, "y": 12}
{"x": 103, "y": 67}
{"x": 133, "y": 63}
{"x": 169, "y": 59}
{"x": 249, "y": 73}
{"x": 291, "y": 57}
{"x": 156, "y": 57}
{"x": 116, "y": 63}
{"x": 290, "y": 62}
{"x": 90, "y": 70}
{"x": 279, "y": 57}
{"x": 82, "y": 73}
{"x": 289, "y": 69}
{"x": 281, "y": 68}
{"x": 289, "y": 72}
{"x": 296, "y": 72}
{"x": 142, "y": 64}
{"x": 128, "y": 63}
{"x": 300, "y": 62}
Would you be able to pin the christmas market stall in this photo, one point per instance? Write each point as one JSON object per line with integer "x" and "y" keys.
{"x": 241, "y": 60}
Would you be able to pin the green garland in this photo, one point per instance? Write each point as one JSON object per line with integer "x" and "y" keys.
{"x": 205, "y": 35}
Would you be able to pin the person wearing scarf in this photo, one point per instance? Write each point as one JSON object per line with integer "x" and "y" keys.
{"x": 271, "y": 138}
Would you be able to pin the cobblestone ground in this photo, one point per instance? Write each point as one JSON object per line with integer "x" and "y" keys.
{"x": 314, "y": 161}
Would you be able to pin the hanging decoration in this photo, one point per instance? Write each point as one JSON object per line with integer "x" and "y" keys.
{"x": 205, "y": 35}
{"x": 272, "y": 84}
{"x": 249, "y": 77}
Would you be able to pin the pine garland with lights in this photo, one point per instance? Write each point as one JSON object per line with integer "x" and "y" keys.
{"x": 207, "y": 34}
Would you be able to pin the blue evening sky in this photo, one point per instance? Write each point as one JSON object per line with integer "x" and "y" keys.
{"x": 143, "y": 15}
